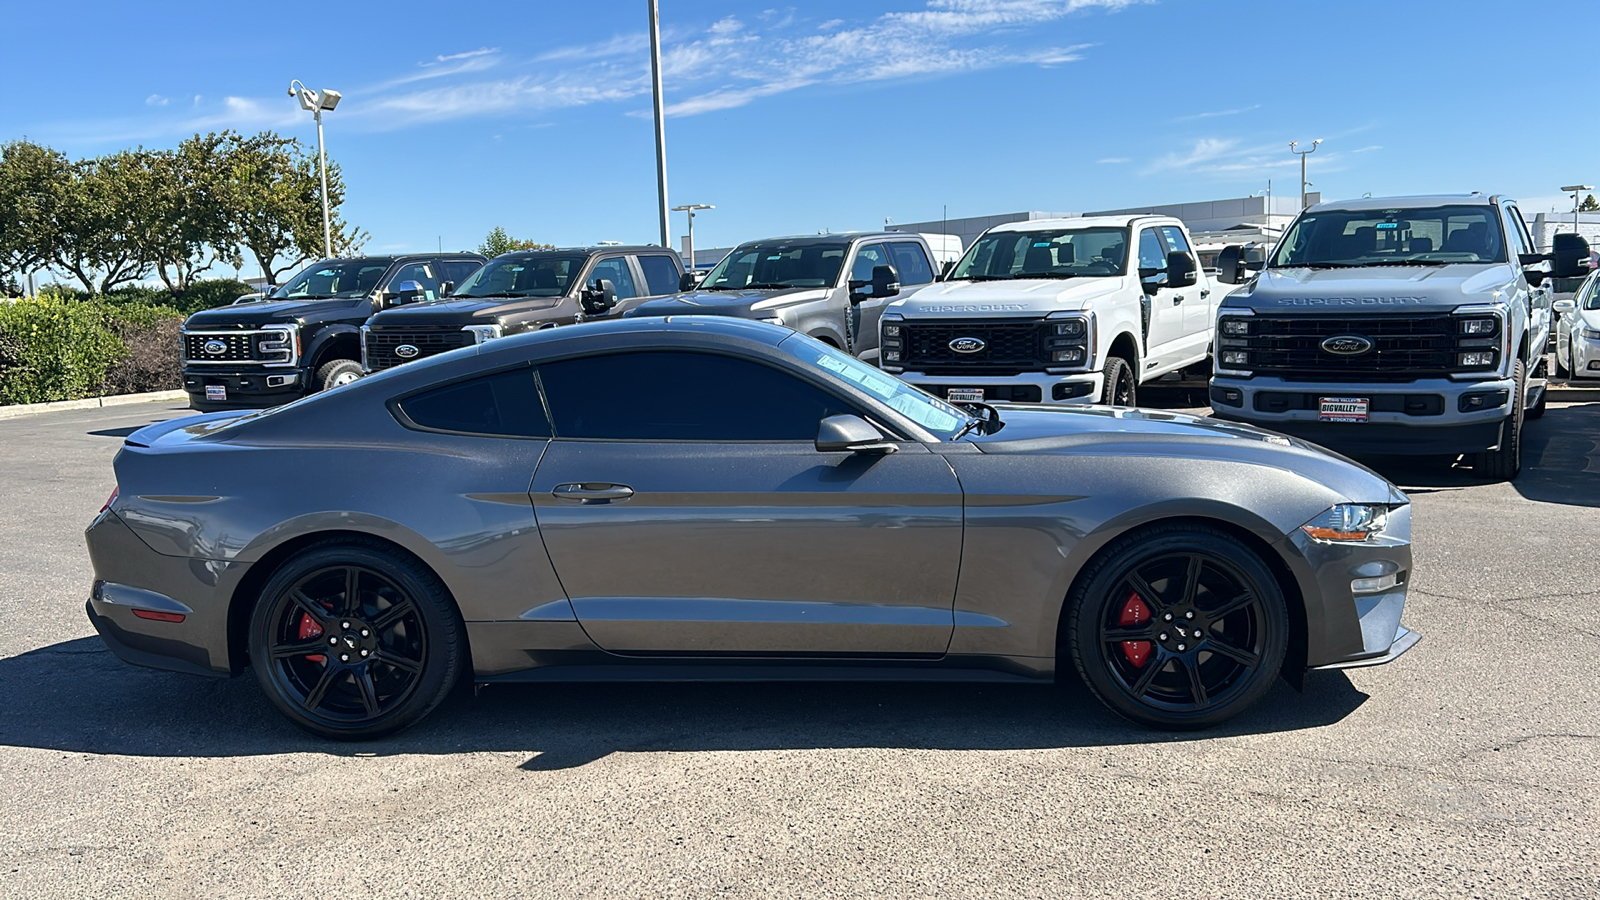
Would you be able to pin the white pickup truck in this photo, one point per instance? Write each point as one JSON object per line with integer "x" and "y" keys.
{"x": 1057, "y": 311}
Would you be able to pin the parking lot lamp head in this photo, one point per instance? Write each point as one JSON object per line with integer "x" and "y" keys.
{"x": 690, "y": 209}
{"x": 315, "y": 102}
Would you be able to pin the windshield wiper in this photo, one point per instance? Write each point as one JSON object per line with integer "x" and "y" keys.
{"x": 990, "y": 420}
{"x": 983, "y": 278}
{"x": 766, "y": 286}
{"x": 1403, "y": 262}
{"x": 1046, "y": 275}
{"x": 718, "y": 287}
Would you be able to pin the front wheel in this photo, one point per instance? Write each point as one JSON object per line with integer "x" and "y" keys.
{"x": 1505, "y": 462}
{"x": 1563, "y": 367}
{"x": 1178, "y": 627}
{"x": 353, "y": 641}
{"x": 1119, "y": 388}
{"x": 337, "y": 373}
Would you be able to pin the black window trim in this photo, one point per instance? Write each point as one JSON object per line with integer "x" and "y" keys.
{"x": 405, "y": 420}
{"x": 890, "y": 432}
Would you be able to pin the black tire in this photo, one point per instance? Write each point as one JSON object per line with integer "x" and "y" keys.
{"x": 1505, "y": 463}
{"x": 1119, "y": 388}
{"x": 337, "y": 373}
{"x": 392, "y": 654}
{"x": 1210, "y": 584}
{"x": 1563, "y": 370}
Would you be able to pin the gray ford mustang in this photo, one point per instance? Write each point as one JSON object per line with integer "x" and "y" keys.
{"x": 711, "y": 498}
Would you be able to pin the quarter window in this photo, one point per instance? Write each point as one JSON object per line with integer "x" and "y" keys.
{"x": 1175, "y": 240}
{"x": 616, "y": 271}
{"x": 911, "y": 262}
{"x": 681, "y": 396}
{"x": 504, "y": 404}
{"x": 660, "y": 274}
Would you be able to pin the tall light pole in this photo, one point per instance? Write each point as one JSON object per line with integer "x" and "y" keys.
{"x": 315, "y": 102}
{"x": 690, "y": 209}
{"x": 661, "y": 131}
{"x": 1575, "y": 190}
{"x": 1303, "y": 154}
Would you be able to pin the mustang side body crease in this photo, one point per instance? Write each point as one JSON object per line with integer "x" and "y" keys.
{"x": 696, "y": 498}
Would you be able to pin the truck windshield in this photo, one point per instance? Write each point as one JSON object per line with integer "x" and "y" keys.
{"x": 1062, "y": 253}
{"x": 523, "y": 276}
{"x": 931, "y": 413}
{"x": 777, "y": 265}
{"x": 1436, "y": 236}
{"x": 347, "y": 278}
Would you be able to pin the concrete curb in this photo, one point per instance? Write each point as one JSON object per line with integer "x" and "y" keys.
{"x": 25, "y": 409}
{"x": 1565, "y": 394}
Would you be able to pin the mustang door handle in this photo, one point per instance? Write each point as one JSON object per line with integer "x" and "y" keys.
{"x": 591, "y": 493}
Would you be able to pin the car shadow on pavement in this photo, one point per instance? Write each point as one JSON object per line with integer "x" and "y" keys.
{"x": 1560, "y": 462}
{"x": 77, "y": 697}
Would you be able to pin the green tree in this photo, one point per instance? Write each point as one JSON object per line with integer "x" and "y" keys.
{"x": 273, "y": 207}
{"x": 33, "y": 184}
{"x": 182, "y": 229}
{"x": 498, "y": 242}
{"x": 1589, "y": 204}
{"x": 96, "y": 221}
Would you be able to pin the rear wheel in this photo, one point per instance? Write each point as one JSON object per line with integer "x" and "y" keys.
{"x": 354, "y": 641}
{"x": 1504, "y": 463}
{"x": 337, "y": 373}
{"x": 1563, "y": 365}
{"x": 1178, "y": 627}
{"x": 1119, "y": 388}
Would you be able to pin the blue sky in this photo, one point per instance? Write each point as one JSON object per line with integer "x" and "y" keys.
{"x": 535, "y": 115}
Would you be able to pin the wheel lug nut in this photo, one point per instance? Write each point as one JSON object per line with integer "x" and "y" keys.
{"x": 1189, "y": 614}
{"x": 365, "y": 633}
{"x": 1163, "y": 636}
{"x": 1182, "y": 647}
{"x": 334, "y": 641}
{"x": 344, "y": 657}
{"x": 1167, "y": 617}
{"x": 363, "y": 653}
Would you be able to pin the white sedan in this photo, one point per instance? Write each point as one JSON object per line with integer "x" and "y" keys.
{"x": 1577, "y": 331}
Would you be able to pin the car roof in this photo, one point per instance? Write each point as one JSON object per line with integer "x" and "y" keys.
{"x": 1414, "y": 201}
{"x": 1078, "y": 222}
{"x": 832, "y": 237}
{"x": 714, "y": 329}
{"x": 390, "y": 259}
{"x": 606, "y": 248}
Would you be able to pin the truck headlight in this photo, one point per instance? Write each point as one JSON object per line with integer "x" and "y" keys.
{"x": 891, "y": 342}
{"x": 1236, "y": 357}
{"x": 1348, "y": 523}
{"x": 1473, "y": 359}
{"x": 1483, "y": 327}
{"x": 481, "y": 333}
{"x": 1235, "y": 326}
{"x": 1069, "y": 340}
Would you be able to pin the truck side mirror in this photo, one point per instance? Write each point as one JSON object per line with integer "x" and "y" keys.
{"x": 446, "y": 288}
{"x": 1568, "y": 253}
{"x": 600, "y": 299}
{"x": 1230, "y": 265}
{"x": 404, "y": 292}
{"x": 1180, "y": 270}
{"x": 945, "y": 270}
{"x": 885, "y": 282}
{"x": 1152, "y": 279}
{"x": 687, "y": 282}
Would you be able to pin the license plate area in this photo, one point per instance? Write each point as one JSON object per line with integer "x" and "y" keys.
{"x": 968, "y": 395}
{"x": 216, "y": 392}
{"x": 1343, "y": 409}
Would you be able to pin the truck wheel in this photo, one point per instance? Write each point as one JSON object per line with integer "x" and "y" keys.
{"x": 337, "y": 373}
{"x": 1504, "y": 464}
{"x": 1119, "y": 388}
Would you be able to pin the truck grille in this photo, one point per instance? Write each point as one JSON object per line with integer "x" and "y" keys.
{"x": 1011, "y": 346}
{"x": 236, "y": 347}
{"x": 1404, "y": 347}
{"x": 381, "y": 345}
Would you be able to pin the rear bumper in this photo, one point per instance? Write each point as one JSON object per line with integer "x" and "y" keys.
{"x": 245, "y": 388}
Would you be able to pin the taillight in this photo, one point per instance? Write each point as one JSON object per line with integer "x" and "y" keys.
{"x": 111, "y": 499}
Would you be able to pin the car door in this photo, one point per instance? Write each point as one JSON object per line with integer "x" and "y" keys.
{"x": 687, "y": 511}
{"x": 1195, "y": 300}
{"x": 1164, "y": 329}
{"x": 864, "y": 315}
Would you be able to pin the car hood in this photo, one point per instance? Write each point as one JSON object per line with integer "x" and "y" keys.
{"x": 1030, "y": 297}
{"x": 262, "y": 312}
{"x": 459, "y": 310}
{"x": 1108, "y": 431}
{"x": 749, "y": 303}
{"x": 1378, "y": 289}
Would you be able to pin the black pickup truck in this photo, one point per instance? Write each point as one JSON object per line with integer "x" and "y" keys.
{"x": 306, "y": 335}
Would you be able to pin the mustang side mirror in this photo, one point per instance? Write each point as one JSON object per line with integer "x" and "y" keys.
{"x": 600, "y": 299}
{"x": 1180, "y": 270}
{"x": 687, "y": 282}
{"x": 1230, "y": 265}
{"x": 852, "y": 434}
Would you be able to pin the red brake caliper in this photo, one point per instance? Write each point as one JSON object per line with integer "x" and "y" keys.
{"x": 1134, "y": 612}
{"x": 308, "y": 630}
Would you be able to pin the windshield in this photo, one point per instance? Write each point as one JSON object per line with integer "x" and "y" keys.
{"x": 1388, "y": 237}
{"x": 780, "y": 265}
{"x": 930, "y": 412}
{"x": 1086, "y": 252}
{"x": 523, "y": 276}
{"x": 342, "y": 278}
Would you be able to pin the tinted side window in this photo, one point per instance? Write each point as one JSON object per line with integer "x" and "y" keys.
{"x": 868, "y": 258}
{"x": 1516, "y": 230}
{"x": 912, "y": 262}
{"x": 1175, "y": 240}
{"x": 457, "y": 270}
{"x": 505, "y": 403}
{"x": 616, "y": 270}
{"x": 660, "y": 274}
{"x": 421, "y": 273}
{"x": 1151, "y": 255}
{"x": 682, "y": 396}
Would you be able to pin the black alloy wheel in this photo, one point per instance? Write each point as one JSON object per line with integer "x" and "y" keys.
{"x": 1119, "y": 388}
{"x": 1178, "y": 627}
{"x": 353, "y": 641}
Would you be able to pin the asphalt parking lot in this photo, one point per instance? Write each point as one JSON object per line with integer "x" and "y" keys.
{"x": 1467, "y": 768}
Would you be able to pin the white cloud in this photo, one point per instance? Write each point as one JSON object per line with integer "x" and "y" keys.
{"x": 1217, "y": 113}
{"x": 156, "y": 100}
{"x": 1368, "y": 149}
{"x": 1113, "y": 160}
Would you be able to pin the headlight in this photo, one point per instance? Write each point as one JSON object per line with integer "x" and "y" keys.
{"x": 1590, "y": 333}
{"x": 1069, "y": 340}
{"x": 1348, "y": 523}
{"x": 1235, "y": 357}
{"x": 481, "y": 333}
{"x": 772, "y": 320}
{"x": 1235, "y": 326}
{"x": 1479, "y": 327}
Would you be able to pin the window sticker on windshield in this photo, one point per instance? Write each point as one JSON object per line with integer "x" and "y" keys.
{"x": 1041, "y": 243}
{"x": 1388, "y": 225}
{"x": 878, "y": 385}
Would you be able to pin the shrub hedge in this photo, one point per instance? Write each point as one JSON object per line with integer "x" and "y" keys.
{"x": 65, "y": 345}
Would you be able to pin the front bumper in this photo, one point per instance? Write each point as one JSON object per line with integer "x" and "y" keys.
{"x": 1433, "y": 416}
{"x": 252, "y": 387}
{"x": 1025, "y": 387}
{"x": 1346, "y": 629}
{"x": 1585, "y": 356}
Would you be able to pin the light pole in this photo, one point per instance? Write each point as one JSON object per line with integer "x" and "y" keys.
{"x": 690, "y": 209}
{"x": 1303, "y": 154}
{"x": 661, "y": 131}
{"x": 315, "y": 102}
{"x": 1575, "y": 190}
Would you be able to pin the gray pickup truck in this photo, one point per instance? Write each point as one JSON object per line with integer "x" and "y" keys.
{"x": 830, "y": 286}
{"x": 1402, "y": 325}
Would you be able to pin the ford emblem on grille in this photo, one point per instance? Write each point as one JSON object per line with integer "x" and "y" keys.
{"x": 406, "y": 351}
{"x": 216, "y": 348}
{"x": 968, "y": 344}
{"x": 1347, "y": 345}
